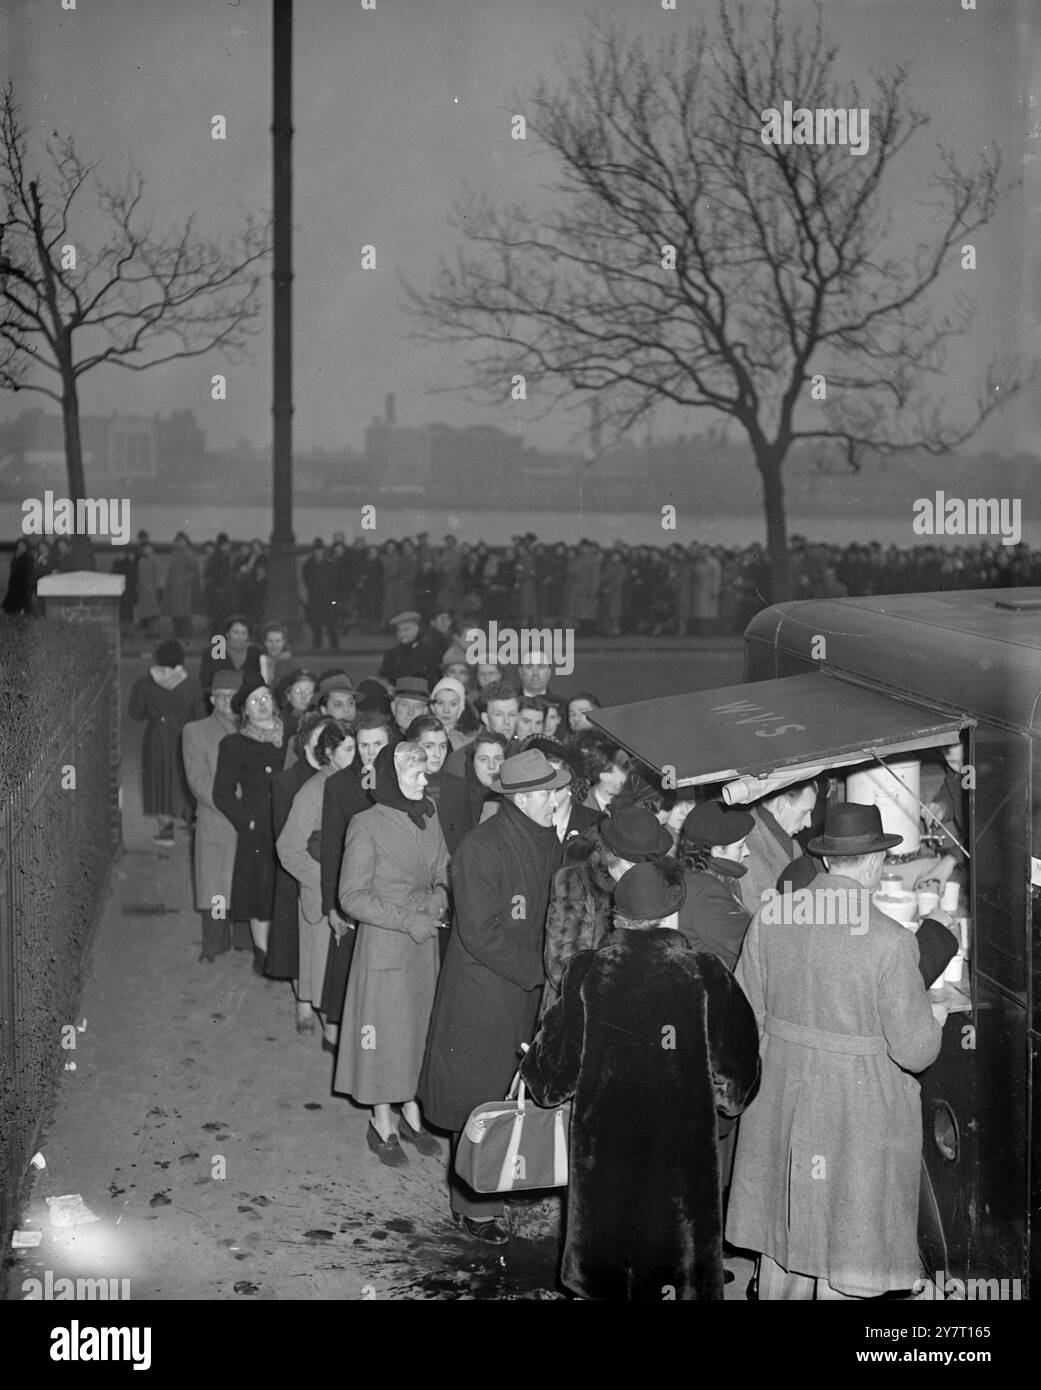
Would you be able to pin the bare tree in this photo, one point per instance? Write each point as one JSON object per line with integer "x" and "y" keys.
{"x": 135, "y": 302}
{"x": 781, "y": 270}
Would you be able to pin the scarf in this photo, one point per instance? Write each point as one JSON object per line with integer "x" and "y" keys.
{"x": 272, "y": 733}
{"x": 387, "y": 791}
{"x": 168, "y": 677}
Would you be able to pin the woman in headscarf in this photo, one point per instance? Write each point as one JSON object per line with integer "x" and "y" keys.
{"x": 393, "y": 883}
{"x": 166, "y": 698}
{"x": 247, "y": 763}
{"x": 298, "y": 846}
{"x": 448, "y": 703}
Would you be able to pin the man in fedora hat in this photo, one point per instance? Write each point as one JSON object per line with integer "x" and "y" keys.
{"x": 336, "y": 694}
{"x": 491, "y": 981}
{"x": 414, "y": 654}
{"x": 826, "y": 1176}
{"x": 652, "y": 1040}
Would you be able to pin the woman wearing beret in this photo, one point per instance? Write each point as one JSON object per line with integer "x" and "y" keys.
{"x": 579, "y": 915}
{"x": 166, "y": 698}
{"x": 712, "y": 849}
{"x": 393, "y": 884}
{"x": 295, "y": 697}
{"x": 246, "y": 765}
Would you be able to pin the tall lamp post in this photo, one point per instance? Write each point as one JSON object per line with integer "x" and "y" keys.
{"x": 283, "y": 601}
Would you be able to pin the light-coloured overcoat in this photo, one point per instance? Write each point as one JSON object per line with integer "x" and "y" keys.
{"x": 828, "y": 1161}
{"x": 388, "y": 885}
{"x": 215, "y": 836}
{"x": 770, "y": 851}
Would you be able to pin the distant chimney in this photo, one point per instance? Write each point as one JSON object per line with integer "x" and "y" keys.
{"x": 595, "y": 427}
{"x": 388, "y": 409}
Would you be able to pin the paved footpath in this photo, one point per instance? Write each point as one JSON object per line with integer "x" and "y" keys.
{"x": 184, "y": 1071}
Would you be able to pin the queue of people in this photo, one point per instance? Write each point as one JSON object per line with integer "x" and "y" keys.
{"x": 462, "y": 877}
{"x": 613, "y": 589}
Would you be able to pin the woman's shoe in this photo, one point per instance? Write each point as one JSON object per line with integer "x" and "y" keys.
{"x": 329, "y": 1047}
{"x": 388, "y": 1151}
{"x": 492, "y": 1232}
{"x": 259, "y": 961}
{"x": 305, "y": 1022}
{"x": 424, "y": 1142}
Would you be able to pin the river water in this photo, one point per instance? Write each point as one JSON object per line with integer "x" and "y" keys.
{"x": 163, "y": 520}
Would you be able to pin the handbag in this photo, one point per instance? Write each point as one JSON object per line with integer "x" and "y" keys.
{"x": 512, "y": 1145}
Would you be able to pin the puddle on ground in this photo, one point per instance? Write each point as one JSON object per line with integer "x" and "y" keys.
{"x": 456, "y": 1267}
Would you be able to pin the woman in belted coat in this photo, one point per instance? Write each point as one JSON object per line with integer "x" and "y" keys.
{"x": 283, "y": 947}
{"x": 298, "y": 846}
{"x": 394, "y": 884}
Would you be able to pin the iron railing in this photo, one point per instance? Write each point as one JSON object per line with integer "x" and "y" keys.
{"x": 57, "y": 843}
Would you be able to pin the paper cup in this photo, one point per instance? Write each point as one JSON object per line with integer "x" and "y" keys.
{"x": 928, "y": 901}
{"x": 949, "y": 901}
{"x": 952, "y": 975}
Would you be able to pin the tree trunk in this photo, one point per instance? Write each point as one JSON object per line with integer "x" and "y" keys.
{"x": 769, "y": 462}
{"x": 82, "y": 550}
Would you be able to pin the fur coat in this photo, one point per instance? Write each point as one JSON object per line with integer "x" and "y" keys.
{"x": 579, "y": 917}
{"x": 651, "y": 1039}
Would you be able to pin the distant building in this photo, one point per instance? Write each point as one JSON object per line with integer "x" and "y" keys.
{"x": 115, "y": 447}
{"x": 400, "y": 457}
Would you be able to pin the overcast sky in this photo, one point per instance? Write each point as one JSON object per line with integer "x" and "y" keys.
{"x": 395, "y": 111}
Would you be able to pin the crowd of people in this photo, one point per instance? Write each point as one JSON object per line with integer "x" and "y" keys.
{"x": 667, "y": 589}
{"x": 461, "y": 877}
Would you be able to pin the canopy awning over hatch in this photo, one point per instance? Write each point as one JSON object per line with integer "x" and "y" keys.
{"x": 772, "y": 733}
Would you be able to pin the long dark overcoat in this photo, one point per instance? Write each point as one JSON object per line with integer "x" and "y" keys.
{"x": 242, "y": 792}
{"x": 164, "y": 787}
{"x": 283, "y": 947}
{"x": 651, "y": 1039}
{"x": 828, "y": 1164}
{"x": 491, "y": 981}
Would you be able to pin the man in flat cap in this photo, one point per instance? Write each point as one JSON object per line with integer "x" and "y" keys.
{"x": 414, "y": 654}
{"x": 826, "y": 1176}
{"x": 410, "y": 699}
{"x": 491, "y": 981}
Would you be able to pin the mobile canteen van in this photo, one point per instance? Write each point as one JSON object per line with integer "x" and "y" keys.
{"x": 841, "y": 683}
